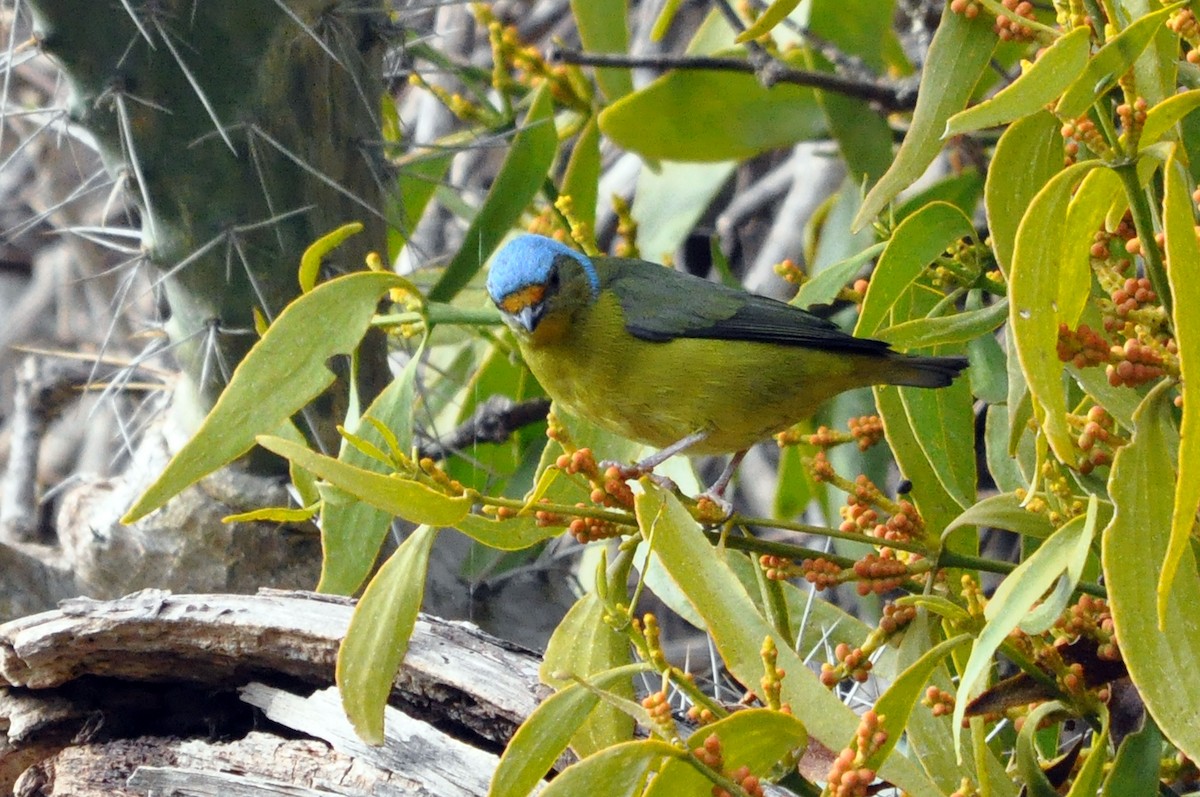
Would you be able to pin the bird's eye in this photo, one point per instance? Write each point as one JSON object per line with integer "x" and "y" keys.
{"x": 552, "y": 282}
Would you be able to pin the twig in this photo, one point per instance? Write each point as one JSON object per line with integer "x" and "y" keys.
{"x": 493, "y": 422}
{"x": 890, "y": 97}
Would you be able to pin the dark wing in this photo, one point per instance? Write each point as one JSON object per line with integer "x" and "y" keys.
{"x": 662, "y": 304}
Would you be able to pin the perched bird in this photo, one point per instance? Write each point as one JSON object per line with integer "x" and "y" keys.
{"x": 676, "y": 361}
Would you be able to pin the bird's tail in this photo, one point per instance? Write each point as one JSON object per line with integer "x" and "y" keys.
{"x": 914, "y": 371}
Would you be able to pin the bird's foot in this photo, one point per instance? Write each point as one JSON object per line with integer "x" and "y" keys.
{"x": 635, "y": 471}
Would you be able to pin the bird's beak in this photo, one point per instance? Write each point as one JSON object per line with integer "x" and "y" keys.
{"x": 529, "y": 316}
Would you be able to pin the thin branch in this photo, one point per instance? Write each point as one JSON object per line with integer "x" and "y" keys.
{"x": 494, "y": 422}
{"x": 888, "y": 96}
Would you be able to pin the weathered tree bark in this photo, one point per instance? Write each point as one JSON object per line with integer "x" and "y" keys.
{"x": 230, "y": 695}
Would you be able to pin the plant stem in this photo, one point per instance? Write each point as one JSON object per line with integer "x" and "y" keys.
{"x": 1143, "y": 222}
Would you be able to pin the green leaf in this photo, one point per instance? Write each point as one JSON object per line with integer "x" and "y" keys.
{"x": 670, "y": 200}
{"x": 352, "y": 532}
{"x": 896, "y": 704}
{"x": 521, "y": 176}
{"x": 956, "y": 328}
{"x": 282, "y": 372}
{"x": 698, "y": 115}
{"x": 583, "y": 645}
{"x": 943, "y": 423}
{"x": 1027, "y": 155}
{"x": 582, "y": 177}
{"x": 1038, "y": 84}
{"x": 824, "y": 287}
{"x": 275, "y": 514}
{"x": 1085, "y": 214}
{"x": 418, "y": 176}
{"x": 755, "y": 738}
{"x": 1059, "y": 559}
{"x": 395, "y": 495}
{"x": 1034, "y": 294}
{"x": 958, "y": 55}
{"x": 310, "y": 261}
{"x": 545, "y": 734}
{"x": 617, "y": 771}
{"x": 514, "y": 534}
{"x": 1183, "y": 253}
{"x": 1028, "y": 764}
{"x": 914, "y": 244}
{"x": 1166, "y": 114}
{"x": 1004, "y": 511}
{"x": 1110, "y": 62}
{"x": 771, "y": 16}
{"x": 738, "y": 629}
{"x": 1138, "y": 765}
{"x": 603, "y": 27}
{"x": 1161, "y": 662}
{"x": 377, "y": 638}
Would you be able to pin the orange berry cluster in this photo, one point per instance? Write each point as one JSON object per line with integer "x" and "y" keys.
{"x": 938, "y": 701}
{"x": 851, "y": 663}
{"x": 1133, "y": 117}
{"x": 779, "y": 568}
{"x": 896, "y": 617}
{"x": 905, "y": 524}
{"x": 1138, "y": 365}
{"x": 1010, "y": 30}
{"x": 699, "y": 715}
{"x": 1183, "y": 22}
{"x": 1133, "y": 294}
{"x": 1083, "y": 347}
{"x": 1098, "y": 428}
{"x": 968, "y": 8}
{"x": 440, "y": 477}
{"x": 744, "y": 778}
{"x": 545, "y": 518}
{"x": 659, "y": 709}
{"x": 821, "y": 469}
{"x": 879, "y": 573}
{"x": 790, "y": 272}
{"x": 867, "y": 429}
{"x": 586, "y": 529}
{"x": 609, "y": 488}
{"x": 849, "y": 777}
{"x": 1082, "y": 131}
{"x": 1092, "y": 618}
{"x": 821, "y": 573}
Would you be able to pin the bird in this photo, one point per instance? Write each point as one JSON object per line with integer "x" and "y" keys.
{"x": 676, "y": 361}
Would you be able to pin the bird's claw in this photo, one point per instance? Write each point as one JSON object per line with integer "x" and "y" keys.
{"x": 636, "y": 471}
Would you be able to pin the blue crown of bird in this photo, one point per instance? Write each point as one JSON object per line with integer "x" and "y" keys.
{"x": 678, "y": 362}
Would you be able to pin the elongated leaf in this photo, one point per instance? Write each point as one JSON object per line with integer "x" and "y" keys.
{"x": 1138, "y": 763}
{"x": 352, "y": 532}
{"x": 670, "y": 200}
{"x": 697, "y": 115}
{"x": 582, "y": 176}
{"x": 1004, "y": 511}
{"x": 1028, "y": 764}
{"x": 1161, "y": 662}
{"x": 1034, "y": 295}
{"x": 419, "y": 176}
{"x": 770, "y": 17}
{"x": 603, "y": 27}
{"x": 377, "y": 638}
{"x": 956, "y": 328}
{"x": 1085, "y": 214}
{"x": 914, "y": 244}
{"x": 1183, "y": 254}
{"x": 1113, "y": 60}
{"x": 506, "y": 535}
{"x": 957, "y": 56}
{"x": 1027, "y": 155}
{"x": 584, "y": 645}
{"x": 310, "y": 261}
{"x": 617, "y": 771}
{"x": 897, "y": 703}
{"x": 1059, "y": 558}
{"x": 942, "y": 421}
{"x": 738, "y": 629}
{"x": 1166, "y": 114}
{"x": 823, "y": 288}
{"x": 1040, "y": 83}
{"x": 282, "y": 372}
{"x": 545, "y": 733}
{"x": 522, "y": 175}
{"x": 398, "y": 496}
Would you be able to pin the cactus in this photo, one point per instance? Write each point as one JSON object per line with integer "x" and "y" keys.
{"x": 243, "y": 131}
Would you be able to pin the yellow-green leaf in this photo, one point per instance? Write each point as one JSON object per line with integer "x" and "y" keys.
{"x": 283, "y": 372}
{"x": 1166, "y": 114}
{"x": 1183, "y": 256}
{"x": 771, "y": 16}
{"x": 1161, "y": 661}
{"x": 310, "y": 261}
{"x": 1040, "y": 83}
{"x": 396, "y": 495}
{"x": 1027, "y": 155}
{"x": 618, "y": 771}
{"x": 377, "y": 638}
{"x": 958, "y": 54}
{"x": 603, "y": 27}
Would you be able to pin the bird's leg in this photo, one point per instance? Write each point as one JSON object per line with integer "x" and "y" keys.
{"x": 651, "y": 462}
{"x": 716, "y": 493}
